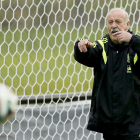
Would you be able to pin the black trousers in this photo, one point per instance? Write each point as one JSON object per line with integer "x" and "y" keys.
{"x": 120, "y": 137}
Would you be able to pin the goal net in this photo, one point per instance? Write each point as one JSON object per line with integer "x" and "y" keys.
{"x": 36, "y": 60}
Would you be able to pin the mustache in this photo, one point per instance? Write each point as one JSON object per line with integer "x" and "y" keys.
{"x": 114, "y": 30}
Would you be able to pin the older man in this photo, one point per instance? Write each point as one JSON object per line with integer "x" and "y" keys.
{"x": 115, "y": 105}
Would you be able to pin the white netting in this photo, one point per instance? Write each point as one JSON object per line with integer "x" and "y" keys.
{"x": 36, "y": 54}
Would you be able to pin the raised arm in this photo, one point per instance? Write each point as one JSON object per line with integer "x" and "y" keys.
{"x": 87, "y": 53}
{"x": 125, "y": 36}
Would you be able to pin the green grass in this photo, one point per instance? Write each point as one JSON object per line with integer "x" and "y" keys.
{"x": 34, "y": 62}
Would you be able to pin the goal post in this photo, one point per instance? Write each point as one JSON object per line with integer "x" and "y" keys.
{"x": 36, "y": 54}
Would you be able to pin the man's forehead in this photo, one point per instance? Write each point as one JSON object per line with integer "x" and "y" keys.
{"x": 118, "y": 14}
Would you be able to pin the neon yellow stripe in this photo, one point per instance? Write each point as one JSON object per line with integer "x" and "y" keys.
{"x": 135, "y": 58}
{"x": 103, "y": 53}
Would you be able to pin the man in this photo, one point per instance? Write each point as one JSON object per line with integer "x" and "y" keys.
{"x": 115, "y": 104}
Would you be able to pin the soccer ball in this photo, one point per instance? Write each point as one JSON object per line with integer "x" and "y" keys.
{"x": 8, "y": 103}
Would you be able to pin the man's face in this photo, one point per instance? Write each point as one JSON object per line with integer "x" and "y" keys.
{"x": 116, "y": 20}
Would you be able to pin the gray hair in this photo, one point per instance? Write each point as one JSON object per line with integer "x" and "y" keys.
{"x": 119, "y": 9}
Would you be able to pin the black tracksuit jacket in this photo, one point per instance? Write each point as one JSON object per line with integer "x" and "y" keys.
{"x": 115, "y": 103}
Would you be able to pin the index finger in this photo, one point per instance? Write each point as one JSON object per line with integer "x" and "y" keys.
{"x": 117, "y": 33}
{"x": 89, "y": 44}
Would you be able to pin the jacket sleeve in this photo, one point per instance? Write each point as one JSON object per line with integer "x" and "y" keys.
{"x": 135, "y": 43}
{"x": 89, "y": 58}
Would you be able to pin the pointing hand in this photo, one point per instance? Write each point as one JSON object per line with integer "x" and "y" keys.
{"x": 82, "y": 45}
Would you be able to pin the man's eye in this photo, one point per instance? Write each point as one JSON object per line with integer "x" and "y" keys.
{"x": 110, "y": 22}
{"x": 118, "y": 22}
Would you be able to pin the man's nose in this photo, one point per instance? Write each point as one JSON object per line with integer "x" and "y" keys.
{"x": 114, "y": 25}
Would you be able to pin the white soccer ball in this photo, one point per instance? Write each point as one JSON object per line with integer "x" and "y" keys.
{"x": 8, "y": 103}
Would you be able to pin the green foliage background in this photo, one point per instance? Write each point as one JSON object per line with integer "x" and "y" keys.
{"x": 37, "y": 39}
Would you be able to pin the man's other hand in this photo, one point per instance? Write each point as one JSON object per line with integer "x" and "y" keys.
{"x": 123, "y": 36}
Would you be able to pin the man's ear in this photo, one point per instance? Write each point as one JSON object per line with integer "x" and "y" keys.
{"x": 128, "y": 25}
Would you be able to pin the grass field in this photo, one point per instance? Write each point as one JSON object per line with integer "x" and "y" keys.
{"x": 40, "y": 61}
{"x": 35, "y": 62}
